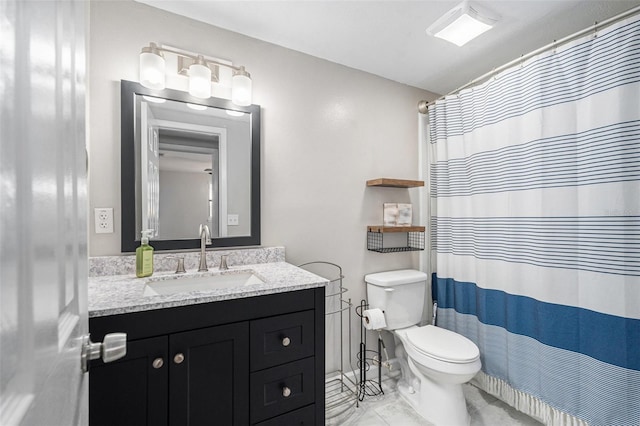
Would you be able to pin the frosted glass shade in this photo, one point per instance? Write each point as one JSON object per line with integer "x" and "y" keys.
{"x": 152, "y": 70}
{"x": 241, "y": 88}
{"x": 200, "y": 81}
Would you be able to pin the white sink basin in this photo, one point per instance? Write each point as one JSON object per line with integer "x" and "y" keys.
{"x": 186, "y": 284}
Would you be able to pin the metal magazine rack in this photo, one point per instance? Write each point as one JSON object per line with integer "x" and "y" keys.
{"x": 340, "y": 385}
{"x": 366, "y": 358}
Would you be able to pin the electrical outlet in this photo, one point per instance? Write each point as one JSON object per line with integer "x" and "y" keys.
{"x": 233, "y": 220}
{"x": 104, "y": 220}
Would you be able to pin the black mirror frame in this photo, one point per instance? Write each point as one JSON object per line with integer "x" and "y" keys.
{"x": 129, "y": 241}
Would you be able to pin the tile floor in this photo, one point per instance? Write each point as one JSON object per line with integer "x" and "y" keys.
{"x": 391, "y": 409}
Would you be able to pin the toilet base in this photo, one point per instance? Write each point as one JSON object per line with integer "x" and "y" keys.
{"x": 439, "y": 403}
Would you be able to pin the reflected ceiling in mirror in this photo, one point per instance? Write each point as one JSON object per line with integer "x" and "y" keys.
{"x": 187, "y": 162}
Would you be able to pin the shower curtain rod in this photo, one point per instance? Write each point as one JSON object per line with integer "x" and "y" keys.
{"x": 423, "y": 105}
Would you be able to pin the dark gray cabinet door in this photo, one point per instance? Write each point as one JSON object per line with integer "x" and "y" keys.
{"x": 133, "y": 390}
{"x": 209, "y": 376}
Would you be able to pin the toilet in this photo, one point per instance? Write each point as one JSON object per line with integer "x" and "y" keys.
{"x": 435, "y": 362}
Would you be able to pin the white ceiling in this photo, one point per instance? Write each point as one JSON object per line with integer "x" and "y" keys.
{"x": 388, "y": 38}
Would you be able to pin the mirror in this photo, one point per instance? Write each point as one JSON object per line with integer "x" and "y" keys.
{"x": 185, "y": 162}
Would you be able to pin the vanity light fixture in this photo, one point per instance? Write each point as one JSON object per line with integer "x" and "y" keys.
{"x": 463, "y": 23}
{"x": 201, "y": 70}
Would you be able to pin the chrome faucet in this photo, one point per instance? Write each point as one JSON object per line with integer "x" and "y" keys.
{"x": 205, "y": 238}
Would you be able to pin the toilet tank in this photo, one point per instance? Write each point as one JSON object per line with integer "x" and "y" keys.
{"x": 400, "y": 294}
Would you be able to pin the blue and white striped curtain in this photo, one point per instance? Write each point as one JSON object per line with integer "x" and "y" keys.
{"x": 535, "y": 228}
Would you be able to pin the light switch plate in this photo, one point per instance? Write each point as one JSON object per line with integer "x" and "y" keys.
{"x": 233, "y": 220}
{"x": 103, "y": 220}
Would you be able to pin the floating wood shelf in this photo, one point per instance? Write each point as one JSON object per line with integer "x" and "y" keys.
{"x": 384, "y": 229}
{"x": 395, "y": 183}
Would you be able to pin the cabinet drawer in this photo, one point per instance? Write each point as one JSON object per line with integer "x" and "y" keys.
{"x": 300, "y": 417}
{"x": 277, "y": 340}
{"x": 281, "y": 389}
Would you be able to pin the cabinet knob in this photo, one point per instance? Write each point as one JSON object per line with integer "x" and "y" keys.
{"x": 286, "y": 341}
{"x": 178, "y": 358}
{"x": 158, "y": 363}
{"x": 286, "y": 391}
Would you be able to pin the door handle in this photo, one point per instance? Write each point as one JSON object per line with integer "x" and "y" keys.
{"x": 113, "y": 347}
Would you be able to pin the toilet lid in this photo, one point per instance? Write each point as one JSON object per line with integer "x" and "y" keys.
{"x": 442, "y": 344}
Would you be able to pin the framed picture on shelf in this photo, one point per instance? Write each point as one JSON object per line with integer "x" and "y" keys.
{"x": 404, "y": 215}
{"x": 390, "y": 214}
{"x": 397, "y": 214}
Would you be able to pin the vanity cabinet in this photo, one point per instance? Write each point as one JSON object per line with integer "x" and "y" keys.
{"x": 257, "y": 360}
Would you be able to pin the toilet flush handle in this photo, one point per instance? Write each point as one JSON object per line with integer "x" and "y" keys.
{"x": 389, "y": 290}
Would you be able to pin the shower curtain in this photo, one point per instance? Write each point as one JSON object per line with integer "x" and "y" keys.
{"x": 535, "y": 228}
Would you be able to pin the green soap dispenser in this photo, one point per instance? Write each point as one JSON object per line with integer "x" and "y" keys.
{"x": 144, "y": 256}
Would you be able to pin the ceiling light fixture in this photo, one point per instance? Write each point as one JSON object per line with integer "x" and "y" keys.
{"x": 463, "y": 23}
{"x": 201, "y": 70}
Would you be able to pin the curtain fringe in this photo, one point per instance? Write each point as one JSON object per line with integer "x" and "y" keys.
{"x": 524, "y": 402}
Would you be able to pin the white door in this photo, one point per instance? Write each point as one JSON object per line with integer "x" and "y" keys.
{"x": 43, "y": 229}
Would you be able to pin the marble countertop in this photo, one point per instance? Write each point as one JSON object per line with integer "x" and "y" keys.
{"x": 119, "y": 294}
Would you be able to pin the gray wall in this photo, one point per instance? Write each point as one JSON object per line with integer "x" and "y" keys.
{"x": 326, "y": 129}
{"x": 192, "y": 206}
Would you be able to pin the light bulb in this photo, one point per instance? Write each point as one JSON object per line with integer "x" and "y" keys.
{"x": 241, "y": 88}
{"x": 152, "y": 67}
{"x": 200, "y": 79}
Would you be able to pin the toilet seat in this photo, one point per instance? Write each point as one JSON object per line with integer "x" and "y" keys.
{"x": 442, "y": 344}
